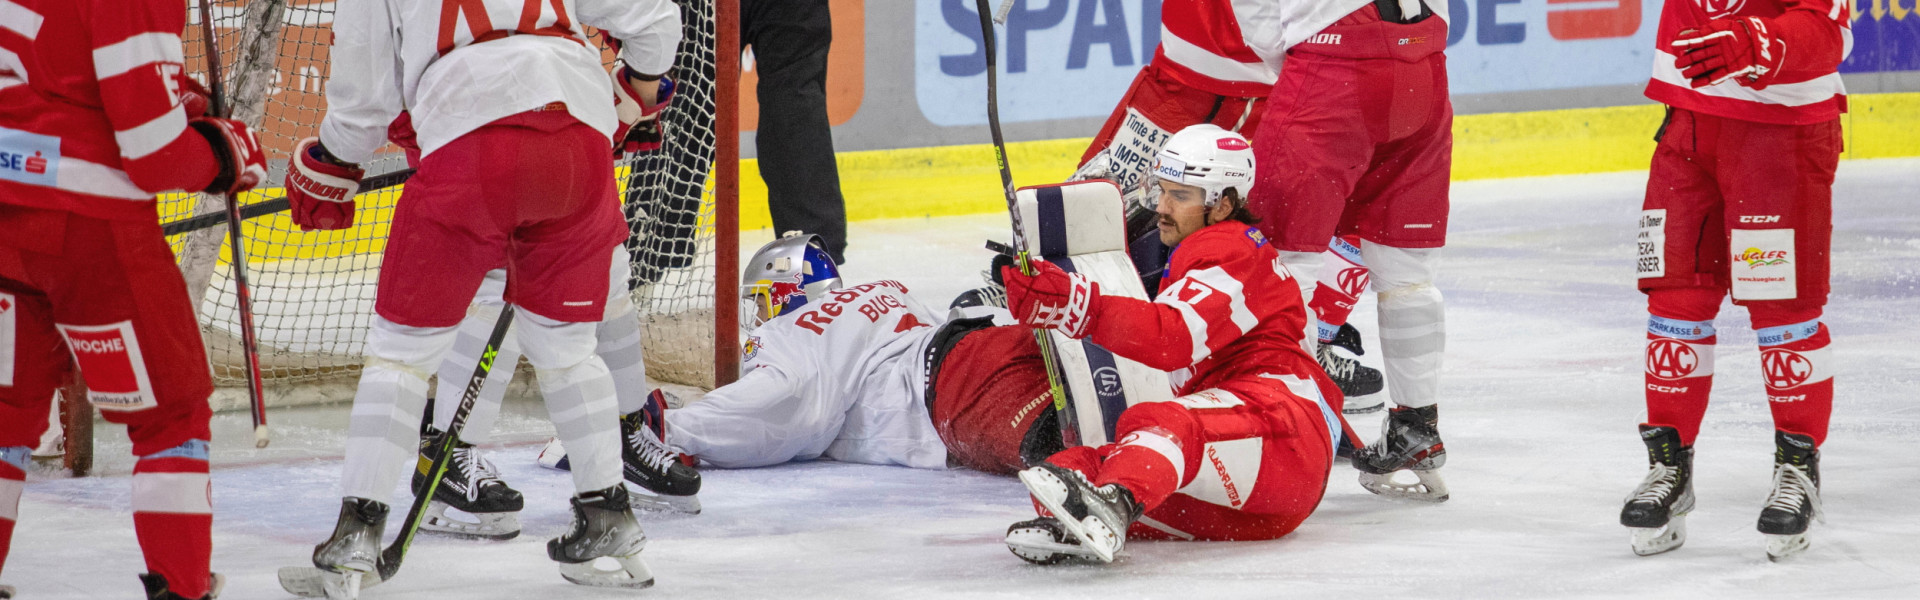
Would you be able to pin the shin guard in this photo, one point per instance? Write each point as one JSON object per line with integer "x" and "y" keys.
{"x": 1679, "y": 373}
{"x": 1798, "y": 368}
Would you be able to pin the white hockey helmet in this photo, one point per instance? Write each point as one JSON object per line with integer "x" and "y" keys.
{"x": 1207, "y": 157}
{"x": 785, "y": 275}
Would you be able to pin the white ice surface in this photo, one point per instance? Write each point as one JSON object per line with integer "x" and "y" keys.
{"x": 1541, "y": 398}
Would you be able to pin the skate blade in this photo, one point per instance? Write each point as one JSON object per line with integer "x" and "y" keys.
{"x": 311, "y": 582}
{"x": 631, "y": 573}
{"x": 1429, "y": 488}
{"x": 1097, "y": 541}
{"x": 1360, "y": 405}
{"x": 645, "y": 500}
{"x": 1648, "y": 541}
{"x": 485, "y": 526}
{"x": 1783, "y": 547}
{"x": 1037, "y": 546}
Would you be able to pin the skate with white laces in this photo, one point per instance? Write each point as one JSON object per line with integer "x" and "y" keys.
{"x": 603, "y": 528}
{"x": 664, "y": 478}
{"x": 1409, "y": 441}
{"x": 471, "y": 486}
{"x": 1097, "y": 518}
{"x": 1795, "y": 501}
{"x": 348, "y": 561}
{"x": 1657, "y": 510}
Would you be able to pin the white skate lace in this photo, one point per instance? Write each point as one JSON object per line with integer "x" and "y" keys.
{"x": 1658, "y": 484}
{"x": 1792, "y": 487}
{"x": 653, "y": 452}
{"x": 476, "y": 469}
{"x": 1337, "y": 367}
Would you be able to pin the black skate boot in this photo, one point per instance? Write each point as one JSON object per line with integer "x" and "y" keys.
{"x": 994, "y": 294}
{"x": 1657, "y": 510}
{"x": 346, "y": 559}
{"x": 1096, "y": 518}
{"x": 1360, "y": 384}
{"x": 603, "y": 527}
{"x": 470, "y": 485}
{"x": 158, "y": 589}
{"x": 1409, "y": 441}
{"x": 666, "y": 481}
{"x": 1796, "y": 495}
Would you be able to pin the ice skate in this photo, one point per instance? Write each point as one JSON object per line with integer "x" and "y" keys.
{"x": 1044, "y": 541}
{"x": 1409, "y": 441}
{"x": 1657, "y": 509}
{"x": 158, "y": 589}
{"x": 603, "y": 527}
{"x": 664, "y": 480}
{"x": 472, "y": 486}
{"x": 1360, "y": 384}
{"x": 1795, "y": 500}
{"x": 994, "y": 294}
{"x": 1097, "y": 518}
{"x": 347, "y": 562}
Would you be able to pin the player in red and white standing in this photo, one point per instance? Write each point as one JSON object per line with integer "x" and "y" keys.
{"x": 1358, "y": 141}
{"x": 1208, "y": 69}
{"x": 100, "y": 117}
{"x": 1740, "y": 201}
{"x": 1243, "y": 452}
{"x": 515, "y": 120}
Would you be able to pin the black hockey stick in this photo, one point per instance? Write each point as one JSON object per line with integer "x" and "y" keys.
{"x": 1062, "y": 403}
{"x": 237, "y": 255}
{"x": 309, "y": 582}
{"x": 275, "y": 205}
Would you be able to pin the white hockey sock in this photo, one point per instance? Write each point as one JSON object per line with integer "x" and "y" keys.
{"x": 579, "y": 396}
{"x": 1413, "y": 321}
{"x": 619, "y": 347}
{"x": 1305, "y": 267}
{"x": 383, "y": 434}
{"x": 457, "y": 369}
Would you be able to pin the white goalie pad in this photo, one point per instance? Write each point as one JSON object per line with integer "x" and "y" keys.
{"x": 1081, "y": 227}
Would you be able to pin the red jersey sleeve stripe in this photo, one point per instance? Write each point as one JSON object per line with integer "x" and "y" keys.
{"x": 149, "y": 137}
{"x": 20, "y": 19}
{"x": 123, "y": 56}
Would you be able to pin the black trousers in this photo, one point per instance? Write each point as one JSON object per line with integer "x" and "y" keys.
{"x": 794, "y": 142}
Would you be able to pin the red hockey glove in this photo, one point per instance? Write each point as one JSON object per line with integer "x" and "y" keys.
{"x": 242, "y": 164}
{"x": 320, "y": 187}
{"x": 1742, "y": 49}
{"x": 639, "y": 129}
{"x": 194, "y": 98}
{"x": 1051, "y": 298}
{"x": 400, "y": 132}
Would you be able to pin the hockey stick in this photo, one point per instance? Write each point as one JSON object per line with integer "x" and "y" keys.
{"x": 1062, "y": 404}
{"x": 237, "y": 257}
{"x": 309, "y": 581}
{"x": 277, "y": 205}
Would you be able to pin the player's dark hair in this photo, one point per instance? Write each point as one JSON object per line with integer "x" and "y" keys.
{"x": 1240, "y": 211}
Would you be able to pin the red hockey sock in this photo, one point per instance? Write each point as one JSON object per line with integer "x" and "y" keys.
{"x": 1148, "y": 462}
{"x": 173, "y": 516}
{"x": 13, "y": 479}
{"x": 1341, "y": 283}
{"x": 1679, "y": 358}
{"x": 1798, "y": 368}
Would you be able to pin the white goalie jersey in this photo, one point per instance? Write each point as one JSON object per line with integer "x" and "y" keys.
{"x": 840, "y": 379}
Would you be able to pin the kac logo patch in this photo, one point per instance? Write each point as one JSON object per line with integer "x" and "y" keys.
{"x": 1785, "y": 368}
{"x": 1671, "y": 359}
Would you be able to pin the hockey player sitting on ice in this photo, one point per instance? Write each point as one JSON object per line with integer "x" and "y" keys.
{"x": 514, "y": 171}
{"x": 1243, "y": 453}
{"x": 99, "y": 117}
{"x": 1740, "y": 202}
{"x": 1209, "y": 69}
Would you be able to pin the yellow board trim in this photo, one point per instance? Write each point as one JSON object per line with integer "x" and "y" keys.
{"x": 963, "y": 180}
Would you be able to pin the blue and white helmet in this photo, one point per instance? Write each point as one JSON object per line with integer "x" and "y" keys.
{"x": 1207, "y": 157}
{"x": 785, "y": 275}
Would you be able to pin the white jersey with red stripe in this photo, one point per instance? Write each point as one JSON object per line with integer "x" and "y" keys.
{"x": 1807, "y": 89}
{"x": 459, "y": 64}
{"x": 93, "y": 121}
{"x": 842, "y": 377}
{"x": 1267, "y": 29}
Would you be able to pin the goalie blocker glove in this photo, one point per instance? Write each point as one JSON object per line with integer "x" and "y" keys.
{"x": 639, "y": 129}
{"x": 320, "y": 187}
{"x": 1051, "y": 298}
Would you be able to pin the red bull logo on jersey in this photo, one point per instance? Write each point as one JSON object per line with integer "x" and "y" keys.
{"x": 1756, "y": 258}
{"x": 751, "y": 349}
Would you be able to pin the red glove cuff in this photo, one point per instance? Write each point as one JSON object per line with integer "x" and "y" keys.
{"x": 319, "y": 190}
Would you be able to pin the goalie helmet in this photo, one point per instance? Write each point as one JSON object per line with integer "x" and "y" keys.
{"x": 785, "y": 275}
{"x": 1207, "y": 157}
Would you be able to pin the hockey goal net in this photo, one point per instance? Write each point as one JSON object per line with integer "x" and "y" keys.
{"x": 313, "y": 291}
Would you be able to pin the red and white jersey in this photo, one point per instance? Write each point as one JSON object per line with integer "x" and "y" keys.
{"x": 1227, "y": 309}
{"x": 1817, "y": 35}
{"x": 459, "y": 64}
{"x": 93, "y": 121}
{"x": 844, "y": 378}
{"x": 1206, "y": 44}
{"x": 1271, "y": 27}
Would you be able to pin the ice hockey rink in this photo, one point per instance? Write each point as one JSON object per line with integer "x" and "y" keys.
{"x": 1540, "y": 399}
